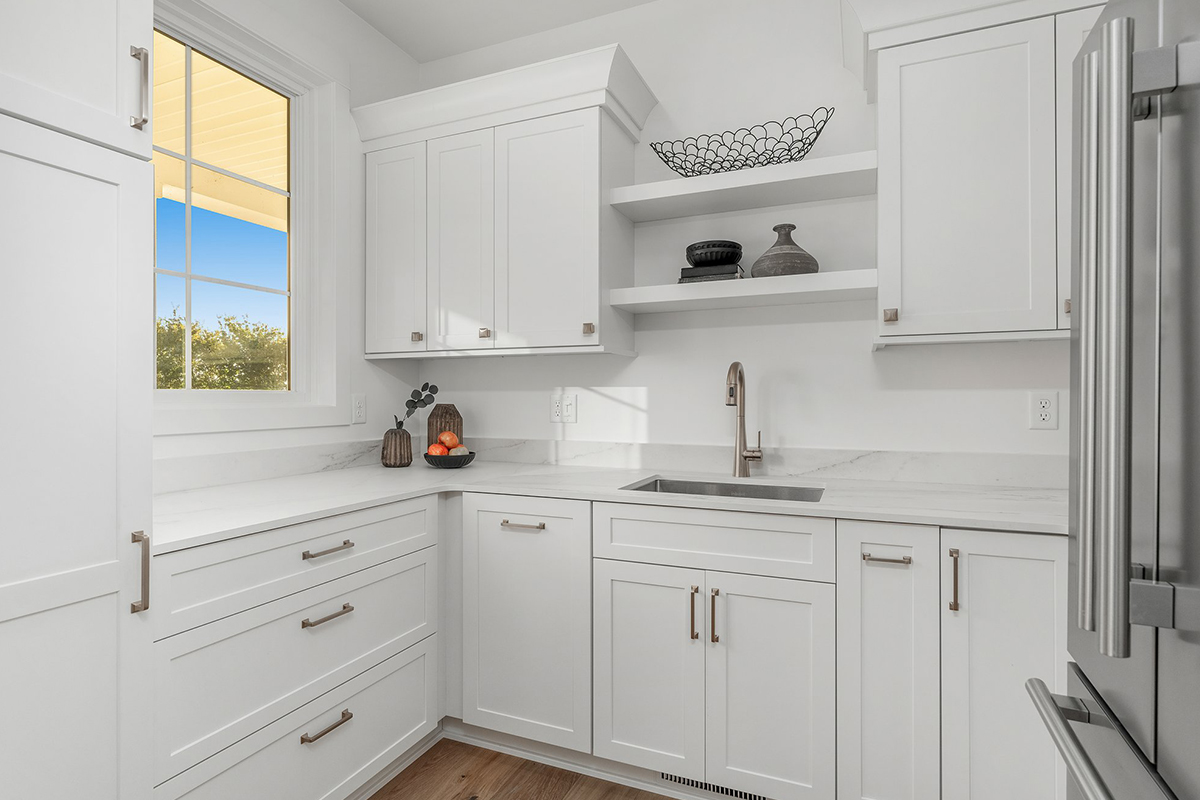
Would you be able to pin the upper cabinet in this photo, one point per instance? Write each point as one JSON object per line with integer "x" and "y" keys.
{"x": 86, "y": 72}
{"x": 974, "y": 181}
{"x": 520, "y": 247}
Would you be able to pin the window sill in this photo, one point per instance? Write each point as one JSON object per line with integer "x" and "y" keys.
{"x": 179, "y": 413}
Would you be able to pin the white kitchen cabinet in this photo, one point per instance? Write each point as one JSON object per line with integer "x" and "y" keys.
{"x": 396, "y": 249}
{"x": 527, "y": 666}
{"x": 1008, "y": 623}
{"x": 716, "y": 677}
{"x": 650, "y": 625}
{"x": 1070, "y": 30}
{"x": 76, "y": 309}
{"x": 888, "y": 654}
{"x": 68, "y": 66}
{"x": 967, "y": 187}
{"x": 770, "y": 675}
{"x": 461, "y": 234}
{"x": 548, "y": 257}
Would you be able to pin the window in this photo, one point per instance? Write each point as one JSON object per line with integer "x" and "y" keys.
{"x": 223, "y": 283}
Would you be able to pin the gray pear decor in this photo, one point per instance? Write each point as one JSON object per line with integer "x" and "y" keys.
{"x": 785, "y": 257}
{"x": 397, "y": 442}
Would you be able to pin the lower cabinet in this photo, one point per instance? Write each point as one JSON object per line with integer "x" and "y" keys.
{"x": 718, "y": 677}
{"x": 527, "y": 667}
{"x": 1009, "y": 624}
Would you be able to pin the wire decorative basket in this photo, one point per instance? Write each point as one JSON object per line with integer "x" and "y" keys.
{"x": 769, "y": 143}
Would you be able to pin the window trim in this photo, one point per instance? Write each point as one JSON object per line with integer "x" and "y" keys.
{"x": 319, "y": 395}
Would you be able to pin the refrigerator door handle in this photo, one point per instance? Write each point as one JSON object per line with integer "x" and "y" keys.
{"x": 1114, "y": 383}
{"x": 1078, "y": 762}
{"x": 1085, "y": 320}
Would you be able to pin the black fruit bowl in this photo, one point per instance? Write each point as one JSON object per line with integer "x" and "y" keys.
{"x": 714, "y": 253}
{"x": 449, "y": 462}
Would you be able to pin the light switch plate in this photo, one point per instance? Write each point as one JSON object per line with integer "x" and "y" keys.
{"x": 564, "y": 408}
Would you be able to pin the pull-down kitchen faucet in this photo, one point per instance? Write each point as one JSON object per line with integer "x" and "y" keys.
{"x": 735, "y": 395}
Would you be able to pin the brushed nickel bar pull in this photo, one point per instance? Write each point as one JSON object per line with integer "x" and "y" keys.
{"x": 692, "y": 597}
{"x": 346, "y": 717}
{"x": 713, "y": 618}
{"x": 142, "y": 55}
{"x": 312, "y": 623}
{"x": 954, "y": 606}
{"x": 541, "y": 526}
{"x": 140, "y": 537}
{"x": 878, "y": 560}
{"x": 345, "y": 545}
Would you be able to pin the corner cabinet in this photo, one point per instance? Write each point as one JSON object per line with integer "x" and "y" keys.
{"x": 490, "y": 233}
{"x": 974, "y": 182}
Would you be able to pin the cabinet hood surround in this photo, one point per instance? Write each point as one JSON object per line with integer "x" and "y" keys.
{"x": 603, "y": 77}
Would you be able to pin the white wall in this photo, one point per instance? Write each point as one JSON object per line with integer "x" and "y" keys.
{"x": 325, "y": 34}
{"x": 812, "y": 378}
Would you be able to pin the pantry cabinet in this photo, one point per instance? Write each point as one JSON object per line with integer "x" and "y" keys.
{"x": 527, "y": 667}
{"x": 1004, "y": 621}
{"x": 86, "y": 72}
{"x": 717, "y": 677}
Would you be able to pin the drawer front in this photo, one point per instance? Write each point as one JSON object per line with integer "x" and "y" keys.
{"x": 223, "y": 681}
{"x": 196, "y": 586}
{"x": 392, "y": 707}
{"x": 733, "y": 541}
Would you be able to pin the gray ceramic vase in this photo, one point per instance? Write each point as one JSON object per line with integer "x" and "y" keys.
{"x": 785, "y": 257}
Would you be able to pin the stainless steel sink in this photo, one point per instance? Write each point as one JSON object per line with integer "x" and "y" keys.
{"x": 756, "y": 491}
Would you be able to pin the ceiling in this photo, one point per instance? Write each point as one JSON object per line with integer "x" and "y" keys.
{"x": 429, "y": 30}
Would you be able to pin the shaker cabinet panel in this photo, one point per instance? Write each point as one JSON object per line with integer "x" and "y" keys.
{"x": 547, "y": 230}
{"x": 461, "y": 249}
{"x": 967, "y": 229}
{"x": 69, "y": 66}
{"x": 396, "y": 252}
{"x": 888, "y": 644}
{"x": 1006, "y": 623}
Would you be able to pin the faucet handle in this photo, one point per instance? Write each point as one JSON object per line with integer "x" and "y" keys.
{"x": 754, "y": 453}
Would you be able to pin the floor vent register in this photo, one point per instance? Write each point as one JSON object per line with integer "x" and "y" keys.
{"x": 712, "y": 787}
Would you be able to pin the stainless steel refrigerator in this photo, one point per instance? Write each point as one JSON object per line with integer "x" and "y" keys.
{"x": 1130, "y": 724}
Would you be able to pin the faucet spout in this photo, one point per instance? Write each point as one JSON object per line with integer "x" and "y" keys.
{"x": 735, "y": 395}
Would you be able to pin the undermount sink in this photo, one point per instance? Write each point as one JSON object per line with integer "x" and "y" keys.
{"x": 756, "y": 491}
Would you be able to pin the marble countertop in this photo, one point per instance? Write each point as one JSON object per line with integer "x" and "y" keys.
{"x": 201, "y": 516}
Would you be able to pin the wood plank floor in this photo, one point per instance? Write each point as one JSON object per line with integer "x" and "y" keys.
{"x": 456, "y": 771}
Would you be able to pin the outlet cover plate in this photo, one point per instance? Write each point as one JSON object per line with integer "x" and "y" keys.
{"x": 1043, "y": 410}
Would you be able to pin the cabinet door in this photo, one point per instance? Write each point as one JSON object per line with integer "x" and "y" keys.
{"x": 1010, "y": 626}
{"x": 888, "y": 651}
{"x": 548, "y": 230}
{"x": 770, "y": 685}
{"x": 396, "y": 263}
{"x": 967, "y": 238}
{"x": 461, "y": 242}
{"x": 76, "y": 314}
{"x": 650, "y": 630}
{"x": 527, "y": 641}
{"x": 1070, "y": 31}
{"x": 67, "y": 65}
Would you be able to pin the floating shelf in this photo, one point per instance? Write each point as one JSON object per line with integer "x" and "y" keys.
{"x": 785, "y": 290}
{"x": 830, "y": 178}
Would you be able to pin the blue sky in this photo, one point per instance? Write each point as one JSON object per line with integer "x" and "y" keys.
{"x": 222, "y": 247}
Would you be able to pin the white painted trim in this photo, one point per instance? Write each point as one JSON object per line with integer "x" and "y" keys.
{"x": 512, "y": 351}
{"x": 320, "y": 390}
{"x": 603, "y": 77}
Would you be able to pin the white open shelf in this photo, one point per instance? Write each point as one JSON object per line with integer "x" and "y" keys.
{"x": 830, "y": 178}
{"x": 784, "y": 290}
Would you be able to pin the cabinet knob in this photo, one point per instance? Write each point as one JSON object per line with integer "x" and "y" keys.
{"x": 417, "y": 336}
{"x": 589, "y": 328}
{"x": 485, "y": 333}
{"x": 891, "y": 315}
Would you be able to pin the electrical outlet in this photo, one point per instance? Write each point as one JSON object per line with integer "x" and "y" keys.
{"x": 1043, "y": 411}
{"x": 564, "y": 408}
{"x": 358, "y": 409}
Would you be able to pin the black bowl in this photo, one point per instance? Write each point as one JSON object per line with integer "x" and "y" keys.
{"x": 714, "y": 253}
{"x": 449, "y": 462}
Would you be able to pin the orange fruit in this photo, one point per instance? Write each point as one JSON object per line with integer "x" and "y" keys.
{"x": 436, "y": 449}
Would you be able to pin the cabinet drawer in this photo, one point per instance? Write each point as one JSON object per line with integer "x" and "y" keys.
{"x": 223, "y": 681}
{"x": 192, "y": 587}
{"x": 393, "y": 706}
{"x": 759, "y": 544}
